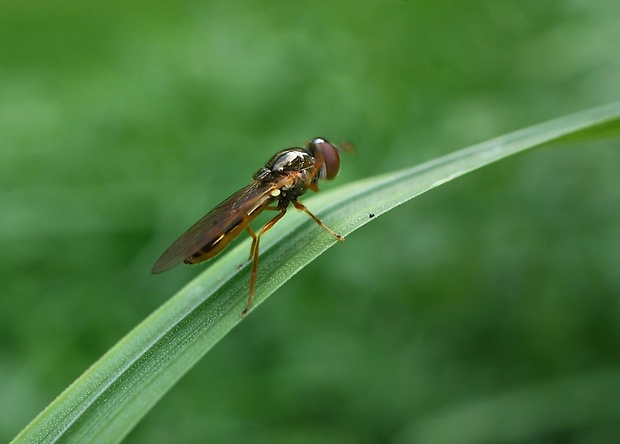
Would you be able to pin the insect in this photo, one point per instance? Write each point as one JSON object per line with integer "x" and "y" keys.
{"x": 287, "y": 175}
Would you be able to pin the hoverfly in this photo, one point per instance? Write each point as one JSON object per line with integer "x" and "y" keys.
{"x": 287, "y": 175}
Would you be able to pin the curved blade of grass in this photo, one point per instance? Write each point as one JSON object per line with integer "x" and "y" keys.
{"x": 116, "y": 392}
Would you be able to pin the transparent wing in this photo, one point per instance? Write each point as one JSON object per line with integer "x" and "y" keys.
{"x": 235, "y": 213}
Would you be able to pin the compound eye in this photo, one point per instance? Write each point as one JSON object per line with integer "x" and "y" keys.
{"x": 330, "y": 156}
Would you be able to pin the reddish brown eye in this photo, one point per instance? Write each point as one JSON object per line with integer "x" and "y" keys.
{"x": 330, "y": 157}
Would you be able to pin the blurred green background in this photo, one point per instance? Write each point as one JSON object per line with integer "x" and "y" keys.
{"x": 485, "y": 311}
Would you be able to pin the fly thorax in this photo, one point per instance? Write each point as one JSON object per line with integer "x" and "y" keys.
{"x": 262, "y": 174}
{"x": 291, "y": 160}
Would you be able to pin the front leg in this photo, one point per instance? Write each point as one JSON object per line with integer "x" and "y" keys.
{"x": 303, "y": 208}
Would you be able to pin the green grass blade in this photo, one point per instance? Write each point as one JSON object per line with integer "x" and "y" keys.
{"x": 107, "y": 401}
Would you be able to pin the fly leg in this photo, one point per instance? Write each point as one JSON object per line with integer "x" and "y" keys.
{"x": 303, "y": 208}
{"x": 254, "y": 254}
{"x": 253, "y": 235}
